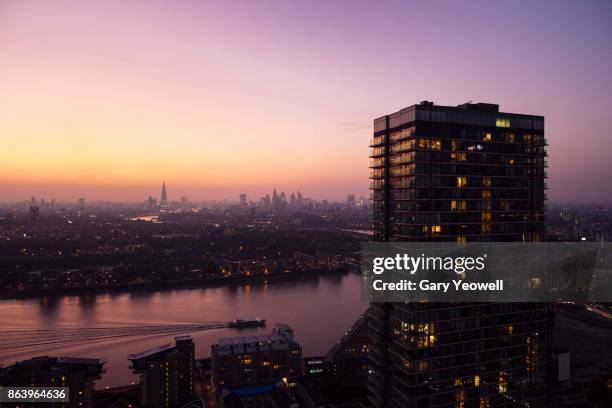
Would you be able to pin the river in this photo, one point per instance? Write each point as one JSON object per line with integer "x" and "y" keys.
{"x": 113, "y": 325}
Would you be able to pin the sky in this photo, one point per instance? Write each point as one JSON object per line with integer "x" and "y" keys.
{"x": 107, "y": 99}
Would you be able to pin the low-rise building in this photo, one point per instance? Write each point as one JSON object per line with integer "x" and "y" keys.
{"x": 257, "y": 359}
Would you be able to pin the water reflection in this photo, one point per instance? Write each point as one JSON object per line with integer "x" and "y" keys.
{"x": 112, "y": 325}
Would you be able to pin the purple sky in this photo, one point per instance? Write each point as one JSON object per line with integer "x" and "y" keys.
{"x": 107, "y": 99}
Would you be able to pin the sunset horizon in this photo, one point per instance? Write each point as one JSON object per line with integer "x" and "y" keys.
{"x": 107, "y": 100}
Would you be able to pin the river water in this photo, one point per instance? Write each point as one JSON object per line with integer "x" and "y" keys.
{"x": 111, "y": 326}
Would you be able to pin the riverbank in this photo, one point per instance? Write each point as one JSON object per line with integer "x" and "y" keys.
{"x": 169, "y": 285}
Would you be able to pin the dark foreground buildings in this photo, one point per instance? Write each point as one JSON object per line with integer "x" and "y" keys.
{"x": 256, "y": 360}
{"x": 78, "y": 374}
{"x": 458, "y": 174}
{"x": 166, "y": 373}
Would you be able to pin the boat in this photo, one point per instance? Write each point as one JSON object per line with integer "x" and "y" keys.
{"x": 239, "y": 323}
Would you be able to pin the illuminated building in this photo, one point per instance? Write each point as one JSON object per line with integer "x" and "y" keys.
{"x": 458, "y": 174}
{"x": 258, "y": 359}
{"x": 78, "y": 374}
{"x": 166, "y": 373}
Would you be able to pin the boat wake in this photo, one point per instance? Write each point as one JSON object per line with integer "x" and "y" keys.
{"x": 12, "y": 340}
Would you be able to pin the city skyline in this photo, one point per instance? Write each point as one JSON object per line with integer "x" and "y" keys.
{"x": 289, "y": 197}
{"x": 107, "y": 99}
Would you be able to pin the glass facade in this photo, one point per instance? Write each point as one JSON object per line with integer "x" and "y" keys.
{"x": 466, "y": 173}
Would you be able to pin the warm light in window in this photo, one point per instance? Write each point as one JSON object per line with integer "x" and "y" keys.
{"x": 501, "y": 122}
{"x": 436, "y": 228}
{"x": 503, "y": 382}
{"x": 477, "y": 380}
{"x": 461, "y": 181}
{"x": 487, "y": 137}
{"x": 460, "y": 157}
{"x": 458, "y": 205}
{"x": 486, "y": 181}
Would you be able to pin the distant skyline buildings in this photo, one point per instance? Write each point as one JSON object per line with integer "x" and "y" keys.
{"x": 151, "y": 95}
{"x": 174, "y": 192}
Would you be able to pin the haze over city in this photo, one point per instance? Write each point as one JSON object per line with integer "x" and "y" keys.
{"x": 107, "y": 99}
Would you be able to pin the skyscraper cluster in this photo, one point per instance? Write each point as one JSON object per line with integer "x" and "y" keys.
{"x": 280, "y": 201}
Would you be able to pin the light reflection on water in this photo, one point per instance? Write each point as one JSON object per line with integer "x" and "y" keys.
{"x": 112, "y": 325}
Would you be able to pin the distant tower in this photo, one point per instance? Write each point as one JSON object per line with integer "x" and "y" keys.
{"x": 275, "y": 197}
{"x": 81, "y": 208}
{"x": 350, "y": 200}
{"x": 164, "y": 195}
{"x": 243, "y": 200}
{"x": 34, "y": 212}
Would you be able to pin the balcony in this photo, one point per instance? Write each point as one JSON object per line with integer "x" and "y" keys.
{"x": 377, "y": 141}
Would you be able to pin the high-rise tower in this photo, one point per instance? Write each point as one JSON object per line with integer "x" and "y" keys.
{"x": 164, "y": 195}
{"x": 166, "y": 373}
{"x": 458, "y": 174}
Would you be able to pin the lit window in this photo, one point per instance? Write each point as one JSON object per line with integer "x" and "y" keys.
{"x": 486, "y": 217}
{"x": 535, "y": 283}
{"x": 477, "y": 380}
{"x": 460, "y": 157}
{"x": 486, "y": 181}
{"x": 503, "y": 382}
{"x": 502, "y": 122}
{"x": 510, "y": 137}
{"x": 486, "y": 228}
{"x": 461, "y": 181}
{"x": 436, "y": 228}
{"x": 461, "y": 239}
{"x": 487, "y": 137}
{"x": 458, "y": 205}
{"x": 460, "y": 399}
{"x": 454, "y": 145}
{"x": 423, "y": 143}
{"x": 436, "y": 144}
{"x": 486, "y": 194}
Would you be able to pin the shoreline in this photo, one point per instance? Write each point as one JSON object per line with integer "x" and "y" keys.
{"x": 168, "y": 285}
